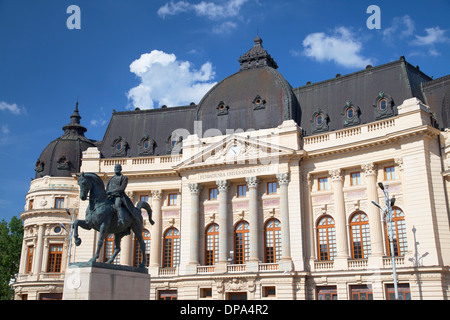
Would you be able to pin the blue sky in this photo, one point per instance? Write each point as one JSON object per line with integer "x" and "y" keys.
{"x": 141, "y": 53}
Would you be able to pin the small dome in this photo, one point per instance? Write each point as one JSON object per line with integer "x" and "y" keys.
{"x": 62, "y": 157}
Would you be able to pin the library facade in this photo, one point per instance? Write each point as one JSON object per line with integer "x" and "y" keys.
{"x": 264, "y": 191}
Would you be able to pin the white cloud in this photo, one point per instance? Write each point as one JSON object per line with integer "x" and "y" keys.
{"x": 225, "y": 27}
{"x": 433, "y": 36}
{"x": 168, "y": 81}
{"x": 10, "y": 107}
{"x": 4, "y": 129}
{"x": 401, "y": 27}
{"x": 211, "y": 10}
{"x": 342, "y": 47}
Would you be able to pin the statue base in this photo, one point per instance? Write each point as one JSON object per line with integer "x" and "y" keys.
{"x": 101, "y": 281}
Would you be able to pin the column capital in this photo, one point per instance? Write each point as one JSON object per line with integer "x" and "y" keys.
{"x": 283, "y": 178}
{"x": 195, "y": 187}
{"x": 252, "y": 182}
{"x": 336, "y": 174}
{"x": 222, "y": 185}
{"x": 369, "y": 169}
{"x": 156, "y": 194}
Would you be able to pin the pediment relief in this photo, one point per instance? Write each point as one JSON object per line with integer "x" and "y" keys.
{"x": 238, "y": 150}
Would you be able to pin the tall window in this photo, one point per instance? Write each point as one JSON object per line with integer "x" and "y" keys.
{"x": 326, "y": 239}
{"x": 171, "y": 248}
{"x": 389, "y": 173}
{"x": 212, "y": 244}
{"x": 355, "y": 179}
{"x": 359, "y": 227}
{"x": 30, "y": 252}
{"x": 271, "y": 188}
{"x": 241, "y": 243}
{"x": 172, "y": 199}
{"x": 242, "y": 191}
{"x": 323, "y": 183}
{"x": 59, "y": 203}
{"x": 55, "y": 258}
{"x": 30, "y": 204}
{"x": 109, "y": 249}
{"x": 213, "y": 194}
{"x": 398, "y": 233}
{"x": 137, "y": 249}
{"x": 272, "y": 241}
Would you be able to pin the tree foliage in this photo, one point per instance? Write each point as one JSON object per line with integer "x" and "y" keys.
{"x": 11, "y": 236}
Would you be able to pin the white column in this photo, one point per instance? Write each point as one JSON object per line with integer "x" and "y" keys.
{"x": 373, "y": 212}
{"x": 252, "y": 184}
{"x": 223, "y": 220}
{"x": 155, "y": 243}
{"x": 340, "y": 219}
{"x": 39, "y": 251}
{"x": 194, "y": 226}
{"x": 286, "y": 260}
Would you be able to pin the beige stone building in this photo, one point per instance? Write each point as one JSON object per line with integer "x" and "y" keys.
{"x": 264, "y": 191}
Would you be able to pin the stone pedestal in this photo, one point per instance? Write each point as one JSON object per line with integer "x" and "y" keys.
{"x": 100, "y": 281}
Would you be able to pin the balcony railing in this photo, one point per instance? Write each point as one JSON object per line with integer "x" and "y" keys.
{"x": 168, "y": 272}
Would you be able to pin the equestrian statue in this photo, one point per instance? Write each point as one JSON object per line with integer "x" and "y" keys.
{"x": 111, "y": 211}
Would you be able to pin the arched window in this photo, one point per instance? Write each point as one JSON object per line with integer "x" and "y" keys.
{"x": 272, "y": 243}
{"x": 359, "y": 231}
{"x": 241, "y": 243}
{"x": 326, "y": 239}
{"x": 212, "y": 244}
{"x": 137, "y": 249}
{"x": 109, "y": 249}
{"x": 171, "y": 248}
{"x": 398, "y": 232}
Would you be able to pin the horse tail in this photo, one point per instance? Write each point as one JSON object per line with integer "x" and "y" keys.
{"x": 146, "y": 206}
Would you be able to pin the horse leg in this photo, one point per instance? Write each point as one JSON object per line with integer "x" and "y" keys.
{"x": 117, "y": 239}
{"x": 101, "y": 238}
{"x": 84, "y": 225}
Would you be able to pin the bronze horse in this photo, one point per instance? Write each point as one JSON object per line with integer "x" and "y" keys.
{"x": 101, "y": 216}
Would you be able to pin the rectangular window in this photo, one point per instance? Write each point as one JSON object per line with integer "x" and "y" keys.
{"x": 59, "y": 203}
{"x": 327, "y": 293}
{"x": 323, "y": 184}
{"x": 144, "y": 197}
{"x": 404, "y": 292}
{"x": 242, "y": 191}
{"x": 269, "y": 292}
{"x": 389, "y": 173}
{"x": 213, "y": 194}
{"x": 54, "y": 258}
{"x": 271, "y": 188}
{"x": 355, "y": 179}
{"x": 205, "y": 292}
{"x": 29, "y": 259}
{"x": 172, "y": 199}
{"x": 363, "y": 292}
{"x": 30, "y": 204}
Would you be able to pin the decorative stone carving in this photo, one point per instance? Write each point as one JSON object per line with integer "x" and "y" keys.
{"x": 252, "y": 182}
{"x": 156, "y": 194}
{"x": 369, "y": 169}
{"x": 222, "y": 185}
{"x": 195, "y": 187}
{"x": 283, "y": 178}
{"x": 336, "y": 174}
{"x": 399, "y": 163}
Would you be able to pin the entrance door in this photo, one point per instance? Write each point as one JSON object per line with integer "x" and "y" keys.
{"x": 237, "y": 296}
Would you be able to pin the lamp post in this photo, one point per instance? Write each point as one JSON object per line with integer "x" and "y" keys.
{"x": 388, "y": 218}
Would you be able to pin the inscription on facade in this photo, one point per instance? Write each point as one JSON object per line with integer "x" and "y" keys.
{"x": 270, "y": 169}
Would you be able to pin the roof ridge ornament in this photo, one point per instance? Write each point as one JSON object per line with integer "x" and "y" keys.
{"x": 257, "y": 57}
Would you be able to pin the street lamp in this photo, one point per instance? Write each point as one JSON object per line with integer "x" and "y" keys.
{"x": 388, "y": 218}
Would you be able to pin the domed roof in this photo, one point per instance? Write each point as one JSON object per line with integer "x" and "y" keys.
{"x": 256, "y": 97}
{"x": 62, "y": 157}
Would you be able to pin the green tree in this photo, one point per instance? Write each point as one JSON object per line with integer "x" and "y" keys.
{"x": 11, "y": 236}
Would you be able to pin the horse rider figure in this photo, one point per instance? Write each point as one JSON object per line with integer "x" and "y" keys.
{"x": 115, "y": 190}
